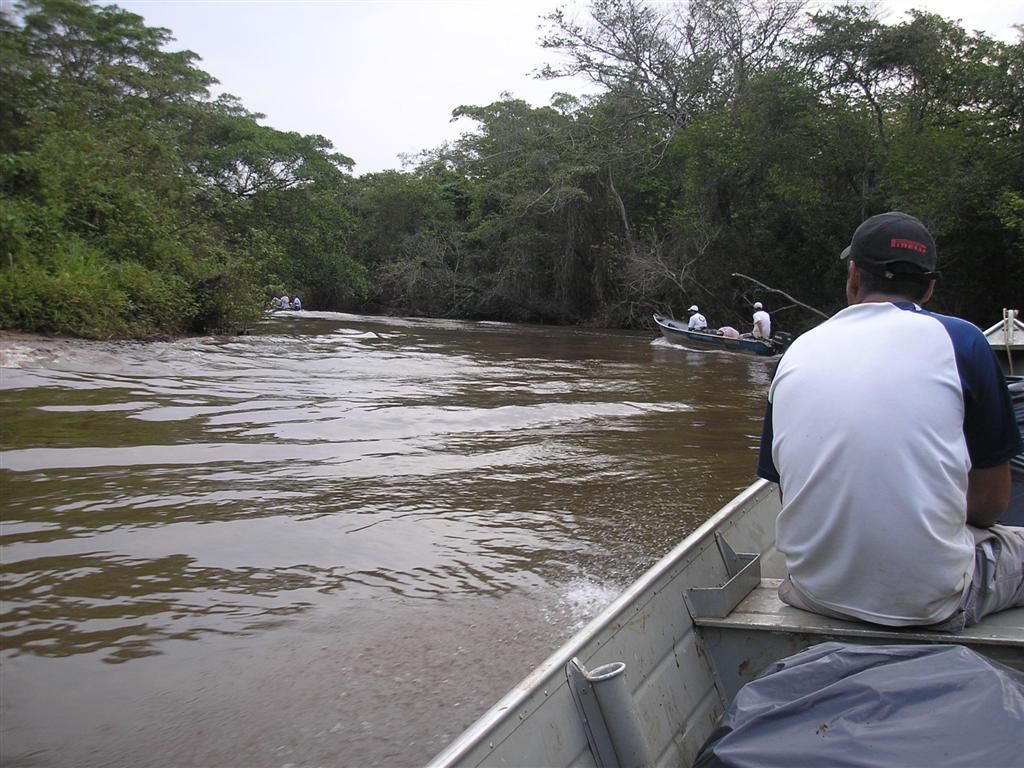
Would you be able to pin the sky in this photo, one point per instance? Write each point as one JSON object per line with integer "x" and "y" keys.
{"x": 380, "y": 78}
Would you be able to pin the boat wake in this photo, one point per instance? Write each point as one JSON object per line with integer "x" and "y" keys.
{"x": 582, "y": 599}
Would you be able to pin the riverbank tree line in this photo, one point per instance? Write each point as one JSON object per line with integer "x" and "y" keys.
{"x": 731, "y": 149}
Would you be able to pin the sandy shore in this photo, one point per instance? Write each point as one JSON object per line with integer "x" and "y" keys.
{"x": 12, "y": 336}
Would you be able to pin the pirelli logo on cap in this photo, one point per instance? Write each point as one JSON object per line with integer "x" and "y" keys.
{"x": 909, "y": 245}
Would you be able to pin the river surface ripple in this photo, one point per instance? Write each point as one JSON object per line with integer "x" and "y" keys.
{"x": 336, "y": 541}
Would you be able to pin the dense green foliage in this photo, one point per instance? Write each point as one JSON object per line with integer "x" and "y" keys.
{"x": 134, "y": 205}
{"x": 729, "y": 136}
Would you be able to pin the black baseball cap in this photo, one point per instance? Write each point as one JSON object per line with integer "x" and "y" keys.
{"x": 893, "y": 244}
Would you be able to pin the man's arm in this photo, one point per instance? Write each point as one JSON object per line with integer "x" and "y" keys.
{"x": 988, "y": 494}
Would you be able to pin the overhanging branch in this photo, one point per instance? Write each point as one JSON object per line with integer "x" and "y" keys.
{"x": 782, "y": 293}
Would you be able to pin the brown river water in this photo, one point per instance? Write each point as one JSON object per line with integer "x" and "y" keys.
{"x": 336, "y": 541}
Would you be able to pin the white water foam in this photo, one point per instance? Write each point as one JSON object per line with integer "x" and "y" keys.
{"x": 15, "y": 354}
{"x": 582, "y": 599}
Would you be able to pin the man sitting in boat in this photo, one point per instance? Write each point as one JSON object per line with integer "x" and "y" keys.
{"x": 762, "y": 323}
{"x": 890, "y": 429}
{"x": 296, "y": 303}
{"x": 697, "y": 321}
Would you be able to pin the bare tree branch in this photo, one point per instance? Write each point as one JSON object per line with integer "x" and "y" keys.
{"x": 781, "y": 293}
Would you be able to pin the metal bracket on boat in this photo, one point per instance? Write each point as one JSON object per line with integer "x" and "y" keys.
{"x": 609, "y": 719}
{"x": 744, "y": 572}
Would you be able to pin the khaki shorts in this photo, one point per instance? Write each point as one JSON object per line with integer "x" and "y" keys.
{"x": 998, "y": 581}
{"x": 997, "y": 584}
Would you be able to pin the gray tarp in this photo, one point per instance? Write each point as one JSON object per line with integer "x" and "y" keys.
{"x": 846, "y": 705}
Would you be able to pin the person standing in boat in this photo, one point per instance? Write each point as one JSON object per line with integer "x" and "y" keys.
{"x": 697, "y": 321}
{"x": 762, "y": 323}
{"x": 890, "y": 429}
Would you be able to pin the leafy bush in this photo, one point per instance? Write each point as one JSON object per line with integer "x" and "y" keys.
{"x": 70, "y": 295}
{"x": 79, "y": 292}
{"x": 157, "y": 303}
{"x": 228, "y": 300}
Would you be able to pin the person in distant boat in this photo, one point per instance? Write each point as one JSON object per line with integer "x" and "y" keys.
{"x": 296, "y": 303}
{"x": 697, "y": 321}
{"x": 890, "y": 430}
{"x": 762, "y": 323}
{"x": 728, "y": 331}
{"x": 286, "y": 302}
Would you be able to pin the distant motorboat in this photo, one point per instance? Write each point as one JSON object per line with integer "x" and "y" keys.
{"x": 678, "y": 333}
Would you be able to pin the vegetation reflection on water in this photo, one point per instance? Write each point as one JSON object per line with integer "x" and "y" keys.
{"x": 359, "y": 522}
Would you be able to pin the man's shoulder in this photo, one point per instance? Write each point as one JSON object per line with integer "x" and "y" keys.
{"x": 964, "y": 335}
{"x": 956, "y": 323}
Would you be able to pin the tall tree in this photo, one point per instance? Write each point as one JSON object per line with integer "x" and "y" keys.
{"x": 674, "y": 60}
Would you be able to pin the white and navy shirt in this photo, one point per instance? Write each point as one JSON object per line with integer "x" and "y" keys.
{"x": 874, "y": 420}
{"x": 697, "y": 322}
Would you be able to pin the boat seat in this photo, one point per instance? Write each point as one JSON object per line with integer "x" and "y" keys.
{"x": 762, "y": 609}
{"x": 762, "y": 620}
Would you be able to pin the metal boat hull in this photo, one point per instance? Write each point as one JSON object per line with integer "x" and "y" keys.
{"x": 649, "y": 628}
{"x": 678, "y": 333}
{"x": 687, "y": 635}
